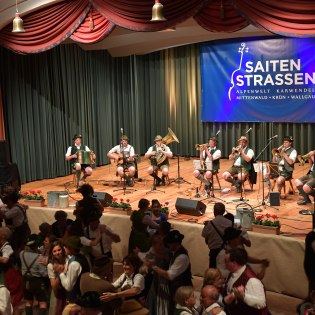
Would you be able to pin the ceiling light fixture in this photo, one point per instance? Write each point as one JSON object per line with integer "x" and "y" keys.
{"x": 17, "y": 22}
{"x": 157, "y": 12}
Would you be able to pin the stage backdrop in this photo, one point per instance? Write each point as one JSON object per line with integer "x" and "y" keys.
{"x": 270, "y": 80}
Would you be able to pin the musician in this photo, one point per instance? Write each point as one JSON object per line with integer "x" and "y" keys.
{"x": 123, "y": 154}
{"x": 208, "y": 153}
{"x": 158, "y": 152}
{"x": 242, "y": 157}
{"x": 285, "y": 160}
{"x": 306, "y": 183}
{"x": 72, "y": 156}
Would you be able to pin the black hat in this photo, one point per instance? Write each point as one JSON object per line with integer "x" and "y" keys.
{"x": 173, "y": 237}
{"x": 288, "y": 138}
{"x": 77, "y": 135}
{"x": 213, "y": 138}
{"x": 230, "y": 233}
{"x": 33, "y": 240}
{"x": 89, "y": 299}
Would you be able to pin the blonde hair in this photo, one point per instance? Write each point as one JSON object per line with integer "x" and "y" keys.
{"x": 6, "y": 233}
{"x": 182, "y": 294}
{"x": 211, "y": 275}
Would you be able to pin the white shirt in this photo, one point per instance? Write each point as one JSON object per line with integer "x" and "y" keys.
{"x": 292, "y": 156}
{"x": 254, "y": 290}
{"x": 5, "y": 301}
{"x": 106, "y": 240}
{"x": 180, "y": 264}
{"x": 250, "y": 153}
{"x": 6, "y": 250}
{"x": 86, "y": 148}
{"x": 69, "y": 278}
{"x": 165, "y": 148}
{"x": 215, "y": 156}
{"x": 210, "y": 308}
{"x": 134, "y": 281}
{"x": 128, "y": 150}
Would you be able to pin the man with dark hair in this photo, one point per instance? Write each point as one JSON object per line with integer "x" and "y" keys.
{"x": 213, "y": 232}
{"x": 245, "y": 293}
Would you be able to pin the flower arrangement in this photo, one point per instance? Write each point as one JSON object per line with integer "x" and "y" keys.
{"x": 164, "y": 207}
{"x": 33, "y": 195}
{"x": 267, "y": 220}
{"x": 121, "y": 203}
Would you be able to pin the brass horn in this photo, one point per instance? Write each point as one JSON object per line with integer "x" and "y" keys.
{"x": 170, "y": 137}
{"x": 277, "y": 151}
{"x": 303, "y": 158}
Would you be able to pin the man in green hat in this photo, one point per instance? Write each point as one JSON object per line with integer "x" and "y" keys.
{"x": 84, "y": 165}
{"x": 209, "y": 156}
{"x": 159, "y": 154}
{"x": 124, "y": 154}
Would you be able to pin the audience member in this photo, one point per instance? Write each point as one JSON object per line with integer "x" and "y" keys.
{"x": 45, "y": 230}
{"x": 90, "y": 304}
{"x": 139, "y": 237}
{"x": 130, "y": 283}
{"x": 214, "y": 278}
{"x": 15, "y": 217}
{"x": 185, "y": 300}
{"x": 11, "y": 276}
{"x": 70, "y": 274}
{"x": 101, "y": 251}
{"x": 156, "y": 215}
{"x": 309, "y": 260}
{"x": 59, "y": 227}
{"x": 213, "y": 232}
{"x": 131, "y": 307}
{"x": 179, "y": 271}
{"x": 5, "y": 301}
{"x": 57, "y": 257}
{"x": 209, "y": 296}
{"x": 245, "y": 293}
{"x": 34, "y": 274}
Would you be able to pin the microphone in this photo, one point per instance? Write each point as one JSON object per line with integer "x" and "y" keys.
{"x": 248, "y": 130}
{"x": 121, "y": 131}
{"x": 218, "y": 132}
{"x": 276, "y": 136}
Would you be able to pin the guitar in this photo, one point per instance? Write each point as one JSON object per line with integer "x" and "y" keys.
{"x": 125, "y": 159}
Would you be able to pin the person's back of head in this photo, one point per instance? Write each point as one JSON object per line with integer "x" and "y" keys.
{"x": 86, "y": 190}
{"x": 238, "y": 255}
{"x": 218, "y": 208}
{"x": 211, "y": 276}
{"x": 182, "y": 294}
{"x": 209, "y": 295}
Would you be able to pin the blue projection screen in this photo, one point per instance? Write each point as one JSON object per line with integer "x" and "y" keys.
{"x": 269, "y": 80}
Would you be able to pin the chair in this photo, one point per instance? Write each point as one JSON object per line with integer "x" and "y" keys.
{"x": 217, "y": 178}
{"x": 284, "y": 187}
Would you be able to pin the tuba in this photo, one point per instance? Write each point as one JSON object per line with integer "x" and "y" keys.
{"x": 159, "y": 157}
{"x": 303, "y": 158}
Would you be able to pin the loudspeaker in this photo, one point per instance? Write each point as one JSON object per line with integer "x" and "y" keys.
{"x": 190, "y": 207}
{"x": 274, "y": 199}
{"x": 105, "y": 198}
{"x": 4, "y": 153}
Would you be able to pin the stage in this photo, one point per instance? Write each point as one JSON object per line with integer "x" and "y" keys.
{"x": 104, "y": 180}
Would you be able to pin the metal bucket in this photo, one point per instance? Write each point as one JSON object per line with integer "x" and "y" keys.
{"x": 53, "y": 198}
{"x": 63, "y": 201}
{"x": 245, "y": 217}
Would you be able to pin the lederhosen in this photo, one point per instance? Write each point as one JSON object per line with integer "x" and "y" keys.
{"x": 215, "y": 163}
{"x": 309, "y": 178}
{"x": 287, "y": 169}
{"x": 74, "y": 150}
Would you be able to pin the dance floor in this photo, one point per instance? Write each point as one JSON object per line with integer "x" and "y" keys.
{"x": 104, "y": 180}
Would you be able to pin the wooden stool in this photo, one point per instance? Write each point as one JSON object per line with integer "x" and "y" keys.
{"x": 284, "y": 186}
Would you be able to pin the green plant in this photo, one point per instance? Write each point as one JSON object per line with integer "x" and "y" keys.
{"x": 33, "y": 195}
{"x": 267, "y": 220}
{"x": 121, "y": 203}
{"x": 164, "y": 207}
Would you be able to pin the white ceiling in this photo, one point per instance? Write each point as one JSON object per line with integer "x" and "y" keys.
{"x": 122, "y": 42}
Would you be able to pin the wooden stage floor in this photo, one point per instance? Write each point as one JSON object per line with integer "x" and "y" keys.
{"x": 104, "y": 180}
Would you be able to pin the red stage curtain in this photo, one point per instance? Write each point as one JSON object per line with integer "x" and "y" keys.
{"x": 136, "y": 14}
{"x": 220, "y": 16}
{"x": 46, "y": 28}
{"x": 288, "y": 17}
{"x": 102, "y": 28}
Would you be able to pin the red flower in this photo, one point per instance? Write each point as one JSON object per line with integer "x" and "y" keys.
{"x": 32, "y": 192}
{"x": 39, "y": 191}
{"x": 260, "y": 217}
{"x": 26, "y": 193}
{"x": 274, "y": 216}
{"x": 128, "y": 200}
{"x": 121, "y": 199}
{"x": 166, "y": 203}
{"x": 115, "y": 199}
{"x": 268, "y": 215}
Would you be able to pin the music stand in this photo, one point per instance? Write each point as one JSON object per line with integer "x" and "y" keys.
{"x": 179, "y": 180}
{"x": 261, "y": 168}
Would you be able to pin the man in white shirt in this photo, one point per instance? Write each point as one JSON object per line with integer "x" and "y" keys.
{"x": 159, "y": 154}
{"x": 245, "y": 294}
{"x": 124, "y": 154}
{"x": 242, "y": 157}
{"x": 72, "y": 155}
{"x": 208, "y": 153}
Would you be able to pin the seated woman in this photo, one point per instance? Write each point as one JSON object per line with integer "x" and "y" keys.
{"x": 185, "y": 300}
{"x": 139, "y": 238}
{"x": 156, "y": 215}
{"x": 130, "y": 283}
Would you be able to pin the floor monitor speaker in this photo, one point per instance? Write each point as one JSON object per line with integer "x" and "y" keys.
{"x": 190, "y": 207}
{"x": 274, "y": 199}
{"x": 105, "y": 198}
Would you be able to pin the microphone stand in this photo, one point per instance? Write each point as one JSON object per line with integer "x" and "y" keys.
{"x": 153, "y": 188}
{"x": 241, "y": 197}
{"x": 263, "y": 203}
{"x": 179, "y": 180}
{"x": 124, "y": 165}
